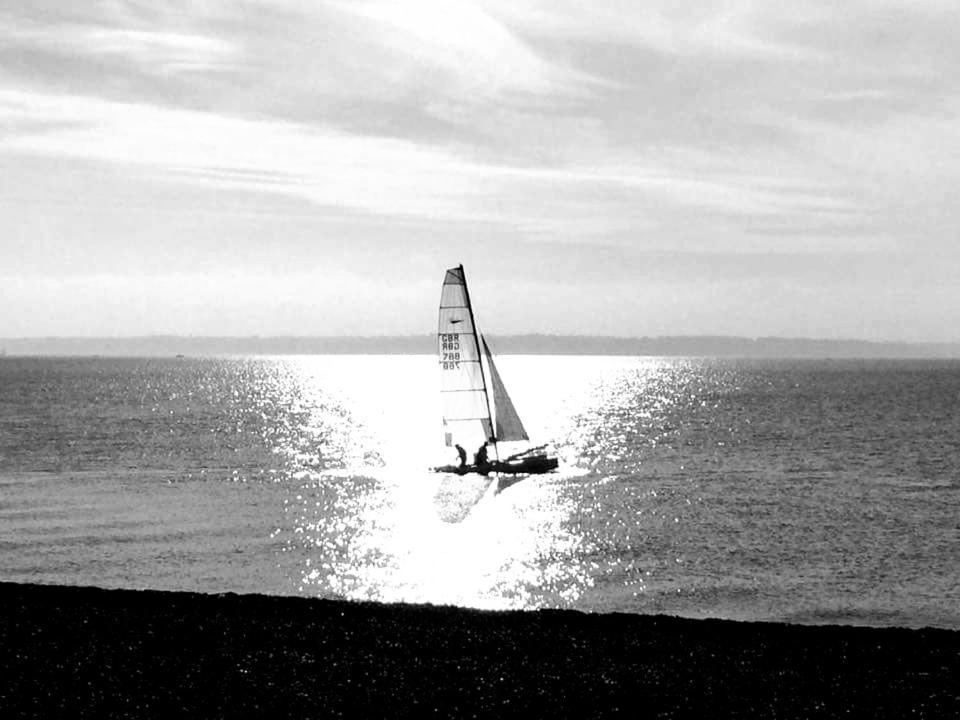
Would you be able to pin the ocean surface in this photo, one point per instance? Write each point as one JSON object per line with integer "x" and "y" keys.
{"x": 810, "y": 491}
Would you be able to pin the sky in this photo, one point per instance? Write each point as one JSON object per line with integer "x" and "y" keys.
{"x": 295, "y": 167}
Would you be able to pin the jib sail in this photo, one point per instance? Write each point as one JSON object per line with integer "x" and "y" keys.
{"x": 507, "y": 423}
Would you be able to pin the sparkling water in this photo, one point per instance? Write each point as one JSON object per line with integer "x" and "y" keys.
{"x": 802, "y": 491}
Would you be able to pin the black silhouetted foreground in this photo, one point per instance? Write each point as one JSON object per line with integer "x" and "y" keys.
{"x": 86, "y": 652}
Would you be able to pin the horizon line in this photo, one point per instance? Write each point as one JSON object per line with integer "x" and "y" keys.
{"x": 729, "y": 346}
{"x": 411, "y": 336}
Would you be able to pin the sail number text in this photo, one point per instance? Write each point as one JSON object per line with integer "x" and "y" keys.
{"x": 450, "y": 350}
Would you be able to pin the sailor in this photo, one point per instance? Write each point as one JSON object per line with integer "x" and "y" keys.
{"x": 480, "y": 459}
{"x": 463, "y": 455}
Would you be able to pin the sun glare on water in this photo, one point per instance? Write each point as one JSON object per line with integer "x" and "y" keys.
{"x": 379, "y": 525}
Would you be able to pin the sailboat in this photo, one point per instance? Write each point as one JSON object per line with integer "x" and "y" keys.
{"x": 477, "y": 411}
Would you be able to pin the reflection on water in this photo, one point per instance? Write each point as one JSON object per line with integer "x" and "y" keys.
{"x": 690, "y": 487}
{"x": 381, "y": 538}
{"x": 809, "y": 491}
{"x": 393, "y": 531}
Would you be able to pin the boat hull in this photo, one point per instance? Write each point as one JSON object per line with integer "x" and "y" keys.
{"x": 529, "y": 465}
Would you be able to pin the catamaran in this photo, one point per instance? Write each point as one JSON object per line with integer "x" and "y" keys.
{"x": 477, "y": 411}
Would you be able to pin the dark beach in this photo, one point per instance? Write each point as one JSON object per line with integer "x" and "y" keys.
{"x": 87, "y": 652}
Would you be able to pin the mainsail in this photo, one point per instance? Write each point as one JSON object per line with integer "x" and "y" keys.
{"x": 506, "y": 421}
{"x": 463, "y": 389}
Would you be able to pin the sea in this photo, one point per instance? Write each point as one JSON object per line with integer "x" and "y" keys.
{"x": 803, "y": 491}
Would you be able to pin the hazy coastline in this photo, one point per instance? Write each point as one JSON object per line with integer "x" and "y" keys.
{"x": 528, "y": 344}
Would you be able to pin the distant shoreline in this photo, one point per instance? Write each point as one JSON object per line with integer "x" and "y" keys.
{"x": 530, "y": 344}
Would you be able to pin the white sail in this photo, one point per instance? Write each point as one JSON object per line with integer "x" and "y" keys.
{"x": 463, "y": 390}
{"x": 507, "y": 424}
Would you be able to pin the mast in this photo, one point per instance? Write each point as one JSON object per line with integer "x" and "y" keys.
{"x": 483, "y": 377}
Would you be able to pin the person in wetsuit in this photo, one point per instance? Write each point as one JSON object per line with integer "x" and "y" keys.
{"x": 463, "y": 455}
{"x": 480, "y": 458}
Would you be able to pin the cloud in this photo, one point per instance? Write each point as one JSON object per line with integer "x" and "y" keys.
{"x": 723, "y": 127}
{"x": 160, "y": 51}
{"x": 714, "y": 27}
{"x": 464, "y": 44}
{"x": 386, "y": 176}
{"x": 327, "y": 166}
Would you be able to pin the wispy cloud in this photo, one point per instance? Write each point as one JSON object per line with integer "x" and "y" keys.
{"x": 456, "y": 40}
{"x": 716, "y": 28}
{"x": 726, "y": 127}
{"x": 323, "y": 165}
{"x": 158, "y": 51}
{"x": 387, "y": 176}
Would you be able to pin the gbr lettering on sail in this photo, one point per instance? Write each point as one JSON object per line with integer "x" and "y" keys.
{"x": 450, "y": 351}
